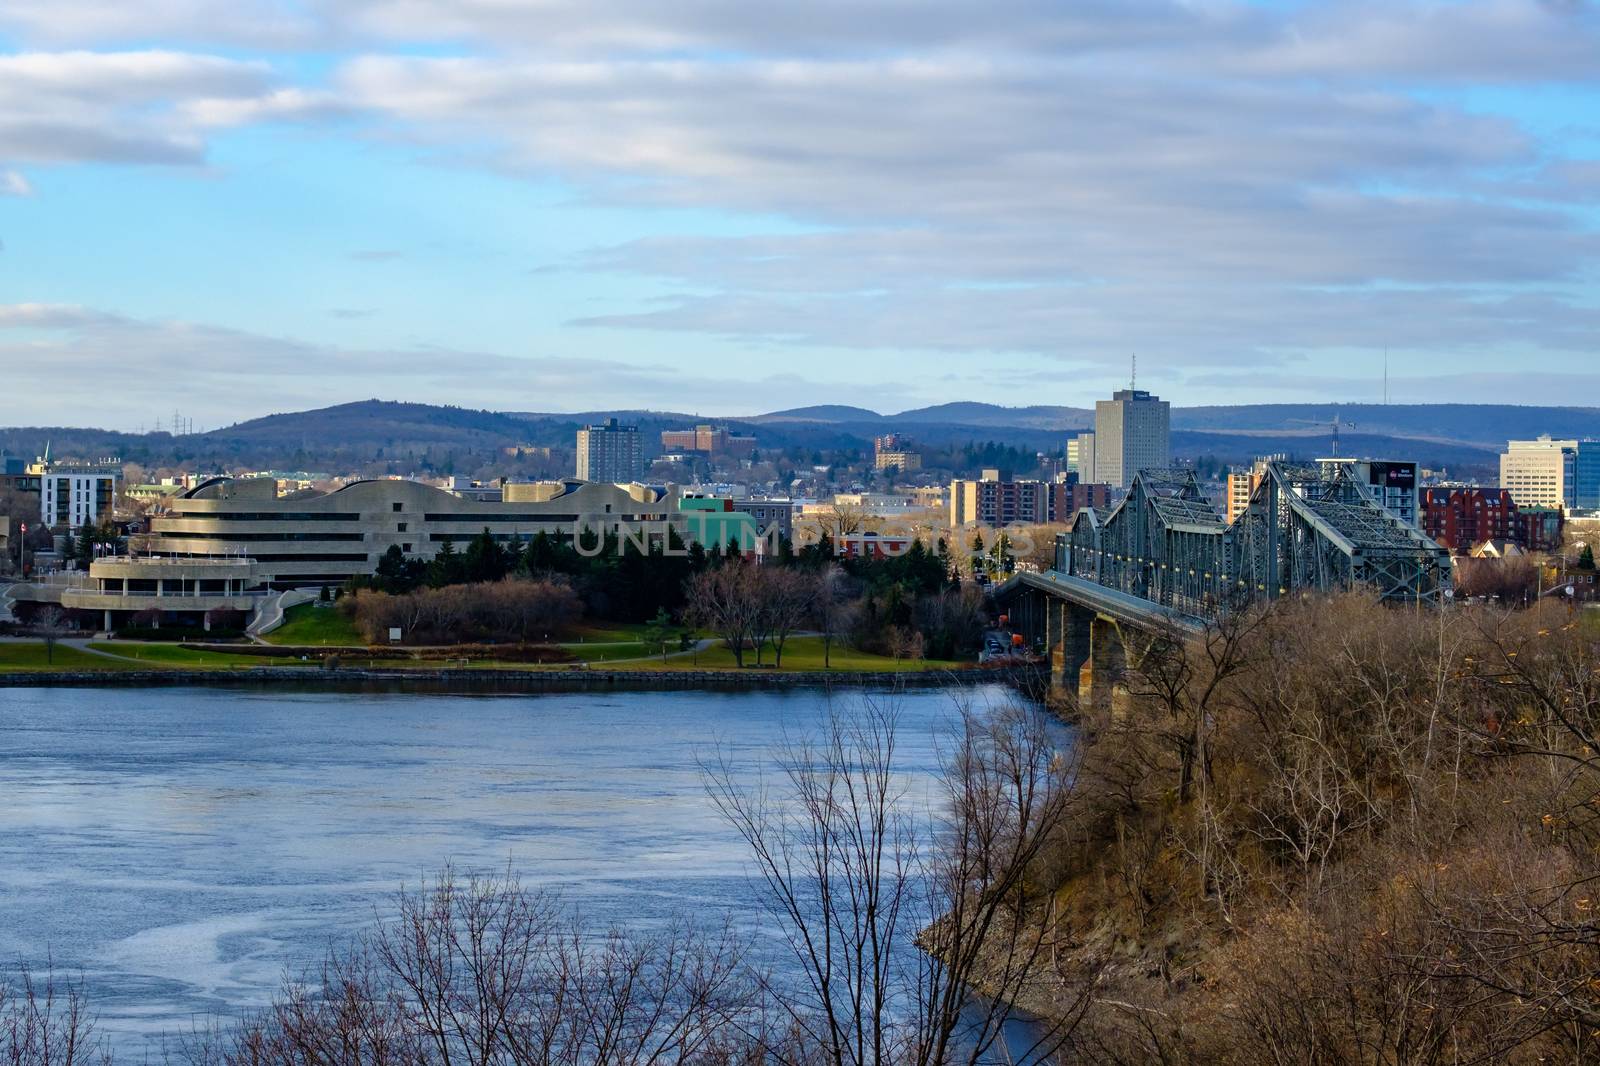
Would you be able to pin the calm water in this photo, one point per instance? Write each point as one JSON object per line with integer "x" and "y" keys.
{"x": 181, "y": 848}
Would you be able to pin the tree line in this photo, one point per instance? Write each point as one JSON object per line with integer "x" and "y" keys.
{"x": 911, "y": 605}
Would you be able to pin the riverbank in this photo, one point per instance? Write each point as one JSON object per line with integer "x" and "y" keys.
{"x": 532, "y": 681}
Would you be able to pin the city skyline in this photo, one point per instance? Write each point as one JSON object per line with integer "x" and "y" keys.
{"x": 715, "y": 207}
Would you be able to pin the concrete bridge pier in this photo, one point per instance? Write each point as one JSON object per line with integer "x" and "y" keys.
{"x": 1069, "y": 644}
{"x": 1102, "y": 680}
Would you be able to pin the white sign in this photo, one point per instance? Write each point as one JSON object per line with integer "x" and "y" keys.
{"x": 394, "y": 634}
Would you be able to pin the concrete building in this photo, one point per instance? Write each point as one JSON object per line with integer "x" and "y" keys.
{"x": 467, "y": 489}
{"x": 1542, "y": 472}
{"x": 610, "y": 453}
{"x": 1132, "y": 432}
{"x": 171, "y": 590}
{"x": 326, "y": 538}
{"x": 1080, "y": 457}
{"x": 1389, "y": 483}
{"x": 897, "y": 452}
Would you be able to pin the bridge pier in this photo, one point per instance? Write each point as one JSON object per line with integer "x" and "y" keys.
{"x": 1069, "y": 645}
{"x": 1102, "y": 680}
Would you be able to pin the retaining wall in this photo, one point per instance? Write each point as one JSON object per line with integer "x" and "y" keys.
{"x": 574, "y": 680}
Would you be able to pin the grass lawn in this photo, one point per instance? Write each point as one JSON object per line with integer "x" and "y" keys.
{"x": 313, "y": 623}
{"x": 601, "y": 653}
{"x": 31, "y": 656}
{"x": 799, "y": 653}
{"x": 178, "y": 655}
{"x": 607, "y": 633}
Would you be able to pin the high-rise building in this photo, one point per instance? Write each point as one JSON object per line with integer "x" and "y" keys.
{"x": 1080, "y": 456}
{"x": 1132, "y": 432}
{"x": 610, "y": 453}
{"x": 1542, "y": 472}
{"x": 1586, "y": 470}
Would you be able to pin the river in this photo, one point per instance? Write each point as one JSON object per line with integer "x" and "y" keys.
{"x": 181, "y": 849}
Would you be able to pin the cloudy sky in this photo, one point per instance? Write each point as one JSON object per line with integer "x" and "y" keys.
{"x": 233, "y": 207}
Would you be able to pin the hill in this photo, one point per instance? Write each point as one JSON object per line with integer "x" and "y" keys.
{"x": 1464, "y": 438}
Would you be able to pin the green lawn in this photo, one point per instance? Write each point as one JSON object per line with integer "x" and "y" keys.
{"x": 178, "y": 655}
{"x": 315, "y": 623}
{"x": 600, "y": 653}
{"x": 607, "y": 633}
{"x": 31, "y": 656}
{"x": 800, "y": 653}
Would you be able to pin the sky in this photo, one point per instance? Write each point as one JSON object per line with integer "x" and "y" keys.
{"x": 227, "y": 208}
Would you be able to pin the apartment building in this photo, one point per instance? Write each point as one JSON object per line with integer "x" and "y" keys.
{"x": 996, "y": 500}
{"x": 75, "y": 491}
{"x": 1462, "y": 517}
{"x": 893, "y": 451}
{"x": 610, "y": 453}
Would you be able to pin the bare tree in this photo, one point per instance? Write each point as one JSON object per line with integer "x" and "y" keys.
{"x": 785, "y": 598}
{"x": 46, "y": 1022}
{"x": 484, "y": 972}
{"x": 51, "y": 624}
{"x": 852, "y": 868}
{"x": 724, "y": 600}
{"x": 833, "y": 612}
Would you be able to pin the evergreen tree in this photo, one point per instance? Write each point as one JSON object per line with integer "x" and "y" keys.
{"x": 87, "y": 538}
{"x": 485, "y": 560}
{"x": 446, "y": 568}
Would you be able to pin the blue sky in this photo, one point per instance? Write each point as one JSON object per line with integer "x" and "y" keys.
{"x": 713, "y": 206}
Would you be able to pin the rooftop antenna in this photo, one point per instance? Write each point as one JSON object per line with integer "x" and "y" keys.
{"x": 1133, "y": 376}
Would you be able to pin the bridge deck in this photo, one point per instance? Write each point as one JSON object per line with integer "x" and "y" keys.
{"x": 1113, "y": 603}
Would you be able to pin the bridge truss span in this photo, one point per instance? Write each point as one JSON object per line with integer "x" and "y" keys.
{"x": 1302, "y": 531}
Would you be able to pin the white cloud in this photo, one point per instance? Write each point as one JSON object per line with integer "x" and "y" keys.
{"x": 117, "y": 107}
{"x": 14, "y": 184}
{"x": 1211, "y": 181}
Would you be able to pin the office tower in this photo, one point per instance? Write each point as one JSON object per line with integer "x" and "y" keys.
{"x": 1132, "y": 432}
{"x": 1542, "y": 472}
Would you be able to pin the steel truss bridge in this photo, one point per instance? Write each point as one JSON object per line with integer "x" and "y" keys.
{"x": 1163, "y": 559}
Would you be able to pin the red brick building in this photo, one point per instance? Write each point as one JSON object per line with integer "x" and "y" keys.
{"x": 1458, "y": 518}
{"x": 871, "y": 545}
